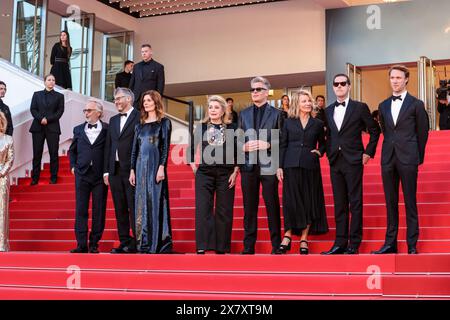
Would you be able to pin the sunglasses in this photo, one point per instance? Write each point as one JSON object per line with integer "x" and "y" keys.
{"x": 343, "y": 84}
{"x": 257, "y": 89}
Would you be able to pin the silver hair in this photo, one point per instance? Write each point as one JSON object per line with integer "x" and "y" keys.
{"x": 262, "y": 80}
{"x": 98, "y": 105}
{"x": 125, "y": 91}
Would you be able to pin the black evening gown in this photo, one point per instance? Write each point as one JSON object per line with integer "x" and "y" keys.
{"x": 150, "y": 150}
{"x": 60, "y": 66}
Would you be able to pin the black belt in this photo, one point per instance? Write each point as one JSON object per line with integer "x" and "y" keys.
{"x": 60, "y": 60}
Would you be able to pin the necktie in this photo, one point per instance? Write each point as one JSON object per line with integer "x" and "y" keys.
{"x": 397, "y": 97}
{"x": 90, "y": 126}
{"x": 338, "y": 104}
{"x": 123, "y": 114}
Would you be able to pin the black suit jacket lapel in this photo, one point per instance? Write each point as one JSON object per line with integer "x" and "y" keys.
{"x": 266, "y": 115}
{"x": 308, "y": 124}
{"x": 408, "y": 101}
{"x": 388, "y": 114}
{"x": 330, "y": 114}
{"x": 101, "y": 134}
{"x": 83, "y": 134}
{"x": 348, "y": 113}
{"x": 130, "y": 119}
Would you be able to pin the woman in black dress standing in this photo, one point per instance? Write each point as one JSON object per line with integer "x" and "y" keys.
{"x": 302, "y": 144}
{"x": 59, "y": 60}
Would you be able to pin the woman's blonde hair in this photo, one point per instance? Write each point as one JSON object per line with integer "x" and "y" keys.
{"x": 3, "y": 122}
{"x": 294, "y": 106}
{"x": 219, "y": 99}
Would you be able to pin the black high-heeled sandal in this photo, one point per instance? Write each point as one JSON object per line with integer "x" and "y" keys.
{"x": 304, "y": 250}
{"x": 285, "y": 247}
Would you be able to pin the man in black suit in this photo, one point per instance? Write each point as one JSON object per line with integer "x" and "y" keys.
{"x": 117, "y": 166}
{"x": 257, "y": 170}
{"x": 147, "y": 75}
{"x": 123, "y": 78}
{"x": 405, "y": 125}
{"x": 346, "y": 119}
{"x": 5, "y": 109}
{"x": 47, "y": 107}
{"x": 87, "y": 153}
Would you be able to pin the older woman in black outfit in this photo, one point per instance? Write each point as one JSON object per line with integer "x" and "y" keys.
{"x": 59, "y": 59}
{"x": 302, "y": 144}
{"x": 215, "y": 178}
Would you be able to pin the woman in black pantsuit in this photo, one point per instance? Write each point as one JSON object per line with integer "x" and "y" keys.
{"x": 59, "y": 59}
{"x": 215, "y": 177}
{"x": 302, "y": 144}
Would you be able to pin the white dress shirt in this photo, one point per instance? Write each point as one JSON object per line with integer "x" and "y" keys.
{"x": 396, "y": 106}
{"x": 339, "y": 113}
{"x": 92, "y": 133}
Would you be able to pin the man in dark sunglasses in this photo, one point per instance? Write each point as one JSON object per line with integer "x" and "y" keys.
{"x": 346, "y": 119}
{"x": 256, "y": 122}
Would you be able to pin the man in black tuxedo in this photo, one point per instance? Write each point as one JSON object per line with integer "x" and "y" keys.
{"x": 5, "y": 109}
{"x": 87, "y": 153}
{"x": 47, "y": 107}
{"x": 117, "y": 166}
{"x": 346, "y": 119}
{"x": 147, "y": 75}
{"x": 256, "y": 170}
{"x": 405, "y": 125}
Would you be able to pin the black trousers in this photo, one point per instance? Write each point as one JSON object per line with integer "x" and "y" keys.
{"x": 123, "y": 197}
{"x": 38, "y": 148}
{"x": 213, "y": 223}
{"x": 346, "y": 180}
{"x": 87, "y": 185}
{"x": 250, "y": 182}
{"x": 392, "y": 173}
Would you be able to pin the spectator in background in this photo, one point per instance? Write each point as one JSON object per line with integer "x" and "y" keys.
{"x": 320, "y": 104}
{"x": 59, "y": 59}
{"x": 5, "y": 109}
{"x": 232, "y": 115}
{"x": 6, "y": 162}
{"x": 376, "y": 116}
{"x": 123, "y": 78}
{"x": 444, "y": 117}
{"x": 147, "y": 75}
{"x": 47, "y": 107}
{"x": 285, "y": 103}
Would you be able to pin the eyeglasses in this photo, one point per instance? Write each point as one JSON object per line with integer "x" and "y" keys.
{"x": 342, "y": 83}
{"x": 88, "y": 110}
{"x": 118, "y": 98}
{"x": 257, "y": 89}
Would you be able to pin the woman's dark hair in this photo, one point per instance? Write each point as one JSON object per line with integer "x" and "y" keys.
{"x": 159, "y": 107}
{"x": 69, "y": 48}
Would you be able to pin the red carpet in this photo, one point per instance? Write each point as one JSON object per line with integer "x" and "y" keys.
{"x": 42, "y": 219}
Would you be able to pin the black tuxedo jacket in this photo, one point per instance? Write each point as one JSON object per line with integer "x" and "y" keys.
{"x": 271, "y": 119}
{"x": 143, "y": 81}
{"x": 120, "y": 141}
{"x": 83, "y": 154}
{"x": 409, "y": 136}
{"x": 349, "y": 139}
{"x": 46, "y": 105}
{"x": 296, "y": 143}
{"x": 5, "y": 109}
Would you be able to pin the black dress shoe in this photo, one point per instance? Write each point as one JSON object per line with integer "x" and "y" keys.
{"x": 220, "y": 252}
{"x": 127, "y": 249}
{"x": 351, "y": 250}
{"x": 276, "y": 251}
{"x": 335, "y": 250}
{"x": 93, "y": 249}
{"x": 248, "y": 251}
{"x": 34, "y": 182}
{"x": 79, "y": 250}
{"x": 412, "y": 251}
{"x": 53, "y": 180}
{"x": 386, "y": 249}
{"x": 117, "y": 250}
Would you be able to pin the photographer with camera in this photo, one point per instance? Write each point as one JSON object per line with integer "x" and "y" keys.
{"x": 443, "y": 104}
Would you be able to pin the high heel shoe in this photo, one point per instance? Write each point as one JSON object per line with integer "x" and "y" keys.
{"x": 285, "y": 247}
{"x": 304, "y": 250}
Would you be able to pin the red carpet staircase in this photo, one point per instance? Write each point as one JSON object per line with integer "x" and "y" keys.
{"x": 42, "y": 220}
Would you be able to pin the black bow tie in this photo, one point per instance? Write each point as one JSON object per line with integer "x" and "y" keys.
{"x": 397, "y": 97}
{"x": 337, "y": 104}
{"x": 90, "y": 126}
{"x": 123, "y": 114}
